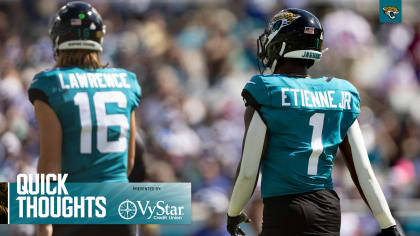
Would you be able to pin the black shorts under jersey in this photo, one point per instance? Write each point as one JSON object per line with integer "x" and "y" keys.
{"x": 315, "y": 213}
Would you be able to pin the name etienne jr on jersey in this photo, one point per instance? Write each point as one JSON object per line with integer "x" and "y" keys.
{"x": 314, "y": 99}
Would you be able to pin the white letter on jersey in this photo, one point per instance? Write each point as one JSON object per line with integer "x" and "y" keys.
{"x": 331, "y": 99}
{"x": 284, "y": 96}
{"x": 295, "y": 95}
{"x": 124, "y": 80}
{"x": 315, "y": 99}
{"x": 73, "y": 81}
{"x": 92, "y": 80}
{"x": 109, "y": 81}
{"x": 117, "y": 83}
{"x": 324, "y": 99}
{"x": 307, "y": 93}
{"x": 348, "y": 100}
{"x": 100, "y": 80}
{"x": 63, "y": 86}
{"x": 302, "y": 98}
{"x": 345, "y": 100}
{"x": 82, "y": 80}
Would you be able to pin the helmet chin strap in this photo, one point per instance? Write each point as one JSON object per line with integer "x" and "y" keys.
{"x": 270, "y": 70}
{"x": 273, "y": 67}
{"x": 283, "y": 46}
{"x": 56, "y": 48}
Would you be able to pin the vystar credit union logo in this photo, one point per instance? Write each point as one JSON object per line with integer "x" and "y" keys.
{"x": 159, "y": 210}
{"x": 127, "y": 210}
{"x": 49, "y": 199}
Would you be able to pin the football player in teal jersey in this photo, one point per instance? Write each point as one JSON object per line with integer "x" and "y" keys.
{"x": 85, "y": 111}
{"x": 294, "y": 125}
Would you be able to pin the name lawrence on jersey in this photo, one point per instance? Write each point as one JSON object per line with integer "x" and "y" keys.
{"x": 93, "y": 80}
{"x": 291, "y": 97}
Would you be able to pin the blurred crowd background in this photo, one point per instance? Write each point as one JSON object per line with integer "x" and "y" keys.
{"x": 192, "y": 59}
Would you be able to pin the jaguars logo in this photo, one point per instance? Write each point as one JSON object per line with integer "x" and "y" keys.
{"x": 282, "y": 19}
{"x": 391, "y": 11}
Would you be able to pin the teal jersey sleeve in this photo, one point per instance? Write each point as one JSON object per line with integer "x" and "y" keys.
{"x": 355, "y": 101}
{"x": 353, "y": 104}
{"x": 43, "y": 87}
{"x": 136, "y": 89}
{"x": 256, "y": 93}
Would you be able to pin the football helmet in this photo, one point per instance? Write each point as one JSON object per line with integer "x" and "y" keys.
{"x": 77, "y": 25}
{"x": 291, "y": 33}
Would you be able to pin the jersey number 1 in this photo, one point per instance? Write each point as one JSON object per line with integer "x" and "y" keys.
{"x": 104, "y": 120}
{"x": 317, "y": 121}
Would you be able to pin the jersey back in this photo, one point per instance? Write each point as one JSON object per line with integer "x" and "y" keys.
{"x": 306, "y": 119}
{"x": 94, "y": 108}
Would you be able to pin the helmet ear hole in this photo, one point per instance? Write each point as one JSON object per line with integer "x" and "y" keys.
{"x": 273, "y": 50}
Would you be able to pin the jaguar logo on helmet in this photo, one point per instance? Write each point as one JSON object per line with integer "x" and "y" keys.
{"x": 391, "y": 11}
{"x": 282, "y": 19}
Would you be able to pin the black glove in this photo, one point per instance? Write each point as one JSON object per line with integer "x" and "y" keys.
{"x": 233, "y": 224}
{"x": 391, "y": 231}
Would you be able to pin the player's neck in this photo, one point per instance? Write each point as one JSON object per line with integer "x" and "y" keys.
{"x": 292, "y": 69}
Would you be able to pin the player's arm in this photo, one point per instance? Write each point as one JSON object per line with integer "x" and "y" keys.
{"x": 248, "y": 169}
{"x": 357, "y": 161}
{"x": 50, "y": 144}
{"x": 131, "y": 143}
{"x": 50, "y": 138}
{"x": 138, "y": 173}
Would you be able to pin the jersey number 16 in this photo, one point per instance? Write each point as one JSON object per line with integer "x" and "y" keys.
{"x": 103, "y": 120}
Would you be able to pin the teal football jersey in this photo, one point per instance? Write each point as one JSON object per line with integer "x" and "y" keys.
{"x": 306, "y": 119}
{"x": 94, "y": 108}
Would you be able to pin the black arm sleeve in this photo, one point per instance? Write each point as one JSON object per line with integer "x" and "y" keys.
{"x": 35, "y": 94}
{"x": 250, "y": 100}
